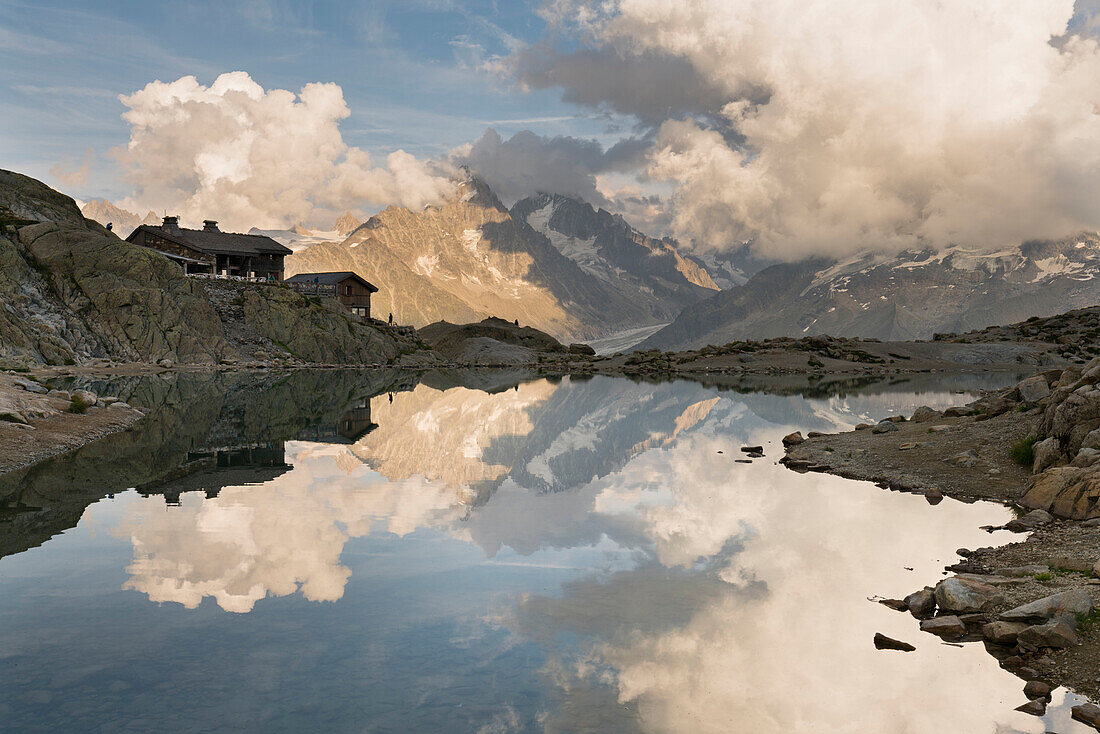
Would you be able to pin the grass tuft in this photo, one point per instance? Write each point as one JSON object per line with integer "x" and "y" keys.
{"x": 1023, "y": 451}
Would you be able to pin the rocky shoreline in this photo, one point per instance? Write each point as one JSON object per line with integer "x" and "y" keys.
{"x": 37, "y": 422}
{"x": 1034, "y": 604}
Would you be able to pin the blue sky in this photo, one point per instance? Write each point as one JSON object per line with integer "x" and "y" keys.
{"x": 409, "y": 71}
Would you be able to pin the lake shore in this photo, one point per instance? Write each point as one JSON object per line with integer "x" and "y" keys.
{"x": 37, "y": 423}
{"x": 973, "y": 453}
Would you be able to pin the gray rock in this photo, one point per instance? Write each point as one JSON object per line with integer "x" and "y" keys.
{"x": 1091, "y": 440}
{"x": 949, "y": 626}
{"x": 1033, "y": 389}
{"x": 61, "y": 394}
{"x": 31, "y": 386}
{"x": 10, "y": 415}
{"x": 965, "y": 459}
{"x": 965, "y": 595}
{"x": 939, "y": 429}
{"x": 863, "y": 426}
{"x": 166, "y": 363}
{"x": 1002, "y": 633}
{"x": 793, "y": 439}
{"x": 107, "y": 401}
{"x": 1030, "y": 521}
{"x": 1036, "y": 689}
{"x": 921, "y": 603}
{"x": 118, "y": 405}
{"x": 1021, "y": 571}
{"x": 1047, "y": 453}
{"x": 923, "y": 414}
{"x": 1086, "y": 457}
{"x": 1064, "y": 604}
{"x": 1088, "y": 713}
{"x": 1055, "y": 633}
{"x": 885, "y": 427}
{"x": 88, "y": 397}
{"x": 958, "y": 412}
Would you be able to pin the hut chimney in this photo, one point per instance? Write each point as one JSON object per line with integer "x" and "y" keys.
{"x": 209, "y": 225}
{"x": 172, "y": 224}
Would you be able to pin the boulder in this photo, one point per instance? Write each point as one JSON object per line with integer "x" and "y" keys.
{"x": 958, "y": 412}
{"x": 1070, "y": 563}
{"x": 924, "y": 414}
{"x": 60, "y": 394}
{"x": 1047, "y": 453}
{"x": 921, "y": 603}
{"x": 1065, "y": 491}
{"x": 1078, "y": 414}
{"x": 1091, "y": 440}
{"x": 1002, "y": 633}
{"x": 106, "y": 401}
{"x": 885, "y": 426}
{"x": 1036, "y": 689}
{"x": 1021, "y": 571}
{"x": 793, "y": 439}
{"x": 965, "y": 459}
{"x": 1036, "y": 707}
{"x": 1030, "y": 521}
{"x": 87, "y": 397}
{"x": 1065, "y": 604}
{"x": 1033, "y": 389}
{"x": 965, "y": 595}
{"x": 31, "y": 386}
{"x": 1086, "y": 457}
{"x": 1055, "y": 633}
{"x": 119, "y": 405}
{"x": 863, "y": 426}
{"x": 882, "y": 642}
{"x": 1088, "y": 713}
{"x": 949, "y": 626}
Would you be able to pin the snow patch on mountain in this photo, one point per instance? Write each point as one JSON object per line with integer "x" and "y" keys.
{"x": 581, "y": 251}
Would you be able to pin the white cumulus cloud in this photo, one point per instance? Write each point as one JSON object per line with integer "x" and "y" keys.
{"x": 247, "y": 156}
{"x": 829, "y": 127}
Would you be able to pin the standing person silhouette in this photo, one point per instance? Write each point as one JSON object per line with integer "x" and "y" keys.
{"x": 391, "y": 319}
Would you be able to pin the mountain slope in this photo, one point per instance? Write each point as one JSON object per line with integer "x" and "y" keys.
{"x": 470, "y": 258}
{"x": 908, "y": 296}
{"x": 123, "y": 222}
{"x": 605, "y": 246}
{"x": 71, "y": 291}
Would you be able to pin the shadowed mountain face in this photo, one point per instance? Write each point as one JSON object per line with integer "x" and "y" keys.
{"x": 605, "y": 246}
{"x": 471, "y": 258}
{"x": 908, "y": 296}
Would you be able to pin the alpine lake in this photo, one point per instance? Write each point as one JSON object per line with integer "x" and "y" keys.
{"x": 379, "y": 551}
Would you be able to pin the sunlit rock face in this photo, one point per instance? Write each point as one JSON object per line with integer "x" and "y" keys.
{"x": 470, "y": 258}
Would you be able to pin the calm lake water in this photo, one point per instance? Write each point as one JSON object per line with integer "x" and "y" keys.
{"x": 379, "y": 552}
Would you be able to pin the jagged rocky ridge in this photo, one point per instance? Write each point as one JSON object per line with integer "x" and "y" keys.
{"x": 471, "y": 257}
{"x": 71, "y": 291}
{"x": 908, "y": 296}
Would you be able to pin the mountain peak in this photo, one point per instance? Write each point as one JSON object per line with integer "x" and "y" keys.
{"x": 346, "y": 224}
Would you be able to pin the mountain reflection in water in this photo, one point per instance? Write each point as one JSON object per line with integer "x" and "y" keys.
{"x": 392, "y": 553}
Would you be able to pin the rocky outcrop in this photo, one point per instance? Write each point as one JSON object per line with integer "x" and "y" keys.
{"x": 1067, "y": 467}
{"x": 494, "y": 341}
{"x": 70, "y": 291}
